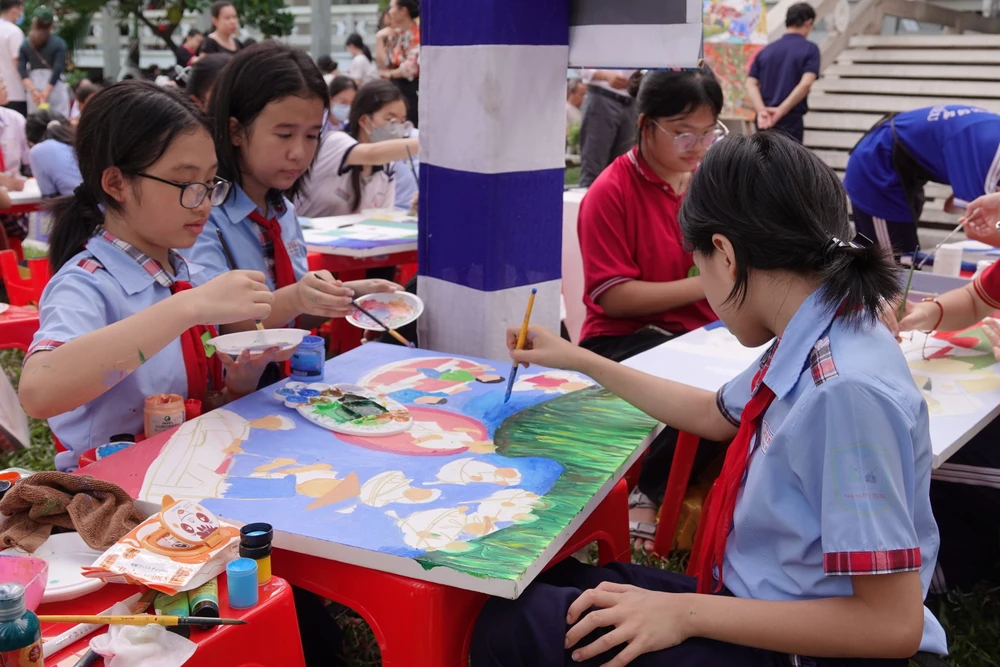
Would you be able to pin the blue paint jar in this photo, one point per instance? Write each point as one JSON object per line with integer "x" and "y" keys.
{"x": 308, "y": 360}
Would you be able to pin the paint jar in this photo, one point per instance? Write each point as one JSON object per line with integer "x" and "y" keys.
{"x": 204, "y": 601}
{"x": 255, "y": 544}
{"x": 308, "y": 359}
{"x": 174, "y": 605}
{"x": 192, "y": 409}
{"x": 162, "y": 412}
{"x": 948, "y": 260}
{"x": 241, "y": 578}
{"x": 20, "y": 631}
{"x": 212, "y": 401}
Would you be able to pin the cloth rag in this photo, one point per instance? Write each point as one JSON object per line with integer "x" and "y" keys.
{"x": 100, "y": 511}
{"x": 141, "y": 645}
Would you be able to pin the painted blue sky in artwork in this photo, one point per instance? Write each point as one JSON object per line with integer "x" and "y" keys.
{"x": 275, "y": 500}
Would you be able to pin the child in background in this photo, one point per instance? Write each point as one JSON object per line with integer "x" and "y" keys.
{"x": 13, "y": 154}
{"x": 328, "y": 67}
{"x": 84, "y": 91}
{"x": 266, "y": 132}
{"x": 353, "y": 170}
{"x": 342, "y": 93}
{"x": 201, "y": 78}
{"x": 363, "y": 68}
{"x": 817, "y": 539}
{"x": 53, "y": 159}
{"x": 641, "y": 287}
{"x": 123, "y": 315}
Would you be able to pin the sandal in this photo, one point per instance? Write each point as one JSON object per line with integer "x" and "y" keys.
{"x": 641, "y": 530}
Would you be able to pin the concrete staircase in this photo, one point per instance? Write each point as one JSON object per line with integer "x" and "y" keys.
{"x": 879, "y": 74}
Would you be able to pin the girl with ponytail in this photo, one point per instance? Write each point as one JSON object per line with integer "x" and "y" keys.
{"x": 124, "y": 314}
{"x": 817, "y": 543}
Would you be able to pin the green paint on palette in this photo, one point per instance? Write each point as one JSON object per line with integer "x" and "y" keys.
{"x": 592, "y": 434}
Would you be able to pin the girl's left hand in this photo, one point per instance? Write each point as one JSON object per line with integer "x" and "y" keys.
{"x": 371, "y": 286}
{"x": 992, "y": 329}
{"x": 645, "y": 620}
{"x": 243, "y": 373}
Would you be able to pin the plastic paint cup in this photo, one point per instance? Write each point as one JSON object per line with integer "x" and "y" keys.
{"x": 241, "y": 575}
{"x": 948, "y": 260}
{"x": 308, "y": 359}
{"x": 255, "y": 543}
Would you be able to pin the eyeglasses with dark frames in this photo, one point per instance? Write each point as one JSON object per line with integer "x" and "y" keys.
{"x": 193, "y": 194}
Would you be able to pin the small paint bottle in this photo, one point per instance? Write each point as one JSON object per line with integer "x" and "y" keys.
{"x": 174, "y": 605}
{"x": 255, "y": 544}
{"x": 241, "y": 579}
{"x": 20, "y": 631}
{"x": 308, "y": 359}
{"x": 162, "y": 412}
{"x": 192, "y": 409}
{"x": 204, "y": 601}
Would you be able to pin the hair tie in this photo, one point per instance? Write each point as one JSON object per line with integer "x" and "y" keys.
{"x": 859, "y": 241}
{"x": 52, "y": 123}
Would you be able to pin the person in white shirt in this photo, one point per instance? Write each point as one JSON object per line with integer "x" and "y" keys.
{"x": 362, "y": 68}
{"x": 576, "y": 92}
{"x": 353, "y": 170}
{"x": 609, "y": 118}
{"x": 13, "y": 144}
{"x": 11, "y": 37}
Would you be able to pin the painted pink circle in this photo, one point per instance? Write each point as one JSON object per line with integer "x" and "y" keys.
{"x": 404, "y": 443}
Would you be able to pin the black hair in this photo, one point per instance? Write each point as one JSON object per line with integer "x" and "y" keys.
{"x": 10, "y": 4}
{"x": 248, "y": 41}
{"x": 204, "y": 73}
{"x": 219, "y": 5}
{"x": 783, "y": 209}
{"x": 85, "y": 91}
{"x": 798, "y": 14}
{"x": 341, "y": 83}
{"x": 47, "y": 124}
{"x": 411, "y": 6}
{"x": 672, "y": 93}
{"x": 355, "y": 40}
{"x": 193, "y": 32}
{"x": 325, "y": 64}
{"x": 240, "y": 93}
{"x": 129, "y": 126}
{"x": 370, "y": 98}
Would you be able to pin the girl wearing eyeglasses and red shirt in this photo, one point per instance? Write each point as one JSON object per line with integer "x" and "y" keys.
{"x": 641, "y": 287}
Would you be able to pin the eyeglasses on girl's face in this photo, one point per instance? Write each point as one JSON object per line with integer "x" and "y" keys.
{"x": 686, "y": 141}
{"x": 193, "y": 194}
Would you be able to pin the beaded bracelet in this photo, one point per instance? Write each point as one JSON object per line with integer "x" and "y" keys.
{"x": 940, "y": 307}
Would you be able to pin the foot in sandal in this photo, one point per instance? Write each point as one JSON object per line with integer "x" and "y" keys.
{"x": 642, "y": 520}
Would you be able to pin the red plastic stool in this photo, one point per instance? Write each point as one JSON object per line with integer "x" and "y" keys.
{"x": 677, "y": 483}
{"x": 18, "y": 325}
{"x": 420, "y": 624}
{"x": 272, "y": 623}
{"x": 23, "y": 291}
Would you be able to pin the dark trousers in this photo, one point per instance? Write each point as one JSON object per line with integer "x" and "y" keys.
{"x": 900, "y": 236}
{"x": 20, "y": 107}
{"x": 607, "y": 131}
{"x": 531, "y": 630}
{"x": 410, "y": 90}
{"x": 660, "y": 455}
{"x": 793, "y": 125}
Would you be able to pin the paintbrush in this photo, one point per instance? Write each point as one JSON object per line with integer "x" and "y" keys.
{"x": 56, "y": 644}
{"x": 232, "y": 265}
{"x": 906, "y": 291}
{"x": 521, "y": 337}
{"x": 143, "y": 619}
{"x": 392, "y": 332}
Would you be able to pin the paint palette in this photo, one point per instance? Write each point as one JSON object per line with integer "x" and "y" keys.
{"x": 346, "y": 408}
{"x": 286, "y": 340}
{"x": 394, "y": 309}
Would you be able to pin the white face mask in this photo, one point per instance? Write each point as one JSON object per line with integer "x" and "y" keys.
{"x": 341, "y": 112}
{"x": 392, "y": 130}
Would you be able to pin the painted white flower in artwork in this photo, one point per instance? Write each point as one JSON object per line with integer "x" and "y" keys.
{"x": 470, "y": 470}
{"x": 434, "y": 530}
{"x": 509, "y": 505}
{"x": 394, "y": 487}
{"x": 431, "y": 435}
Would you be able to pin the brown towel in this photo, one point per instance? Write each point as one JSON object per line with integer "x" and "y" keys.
{"x": 100, "y": 511}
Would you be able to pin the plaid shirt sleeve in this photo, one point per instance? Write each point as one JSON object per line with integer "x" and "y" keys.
{"x": 74, "y": 303}
{"x": 859, "y": 441}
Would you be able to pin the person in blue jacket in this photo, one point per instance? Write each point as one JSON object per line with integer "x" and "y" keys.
{"x": 956, "y": 145}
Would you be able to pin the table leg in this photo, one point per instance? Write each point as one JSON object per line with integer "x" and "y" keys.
{"x": 677, "y": 483}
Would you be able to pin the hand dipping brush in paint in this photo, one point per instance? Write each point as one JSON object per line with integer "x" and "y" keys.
{"x": 124, "y": 315}
{"x": 267, "y": 131}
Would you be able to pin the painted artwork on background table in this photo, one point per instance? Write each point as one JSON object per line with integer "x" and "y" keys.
{"x": 363, "y": 235}
{"x": 472, "y": 475}
{"x": 956, "y": 372}
{"x": 734, "y": 22}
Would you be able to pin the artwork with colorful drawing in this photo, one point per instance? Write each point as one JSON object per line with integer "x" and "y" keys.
{"x": 469, "y": 474}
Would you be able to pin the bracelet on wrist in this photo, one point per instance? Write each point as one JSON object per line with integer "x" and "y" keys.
{"x": 940, "y": 311}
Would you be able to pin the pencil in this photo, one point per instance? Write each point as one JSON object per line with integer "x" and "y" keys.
{"x": 520, "y": 342}
{"x": 232, "y": 265}
{"x": 392, "y": 332}
{"x": 143, "y": 619}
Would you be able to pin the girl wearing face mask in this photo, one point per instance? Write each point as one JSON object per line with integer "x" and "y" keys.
{"x": 342, "y": 92}
{"x": 353, "y": 170}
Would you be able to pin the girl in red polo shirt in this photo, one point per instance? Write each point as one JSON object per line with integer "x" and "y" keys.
{"x": 641, "y": 287}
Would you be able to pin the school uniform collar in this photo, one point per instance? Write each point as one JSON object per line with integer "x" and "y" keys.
{"x": 133, "y": 269}
{"x": 790, "y": 353}
{"x": 238, "y": 206}
{"x": 645, "y": 171}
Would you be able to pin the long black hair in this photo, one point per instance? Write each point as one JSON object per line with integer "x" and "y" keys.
{"x": 253, "y": 78}
{"x": 673, "y": 93}
{"x": 47, "y": 124}
{"x": 341, "y": 83}
{"x": 370, "y": 98}
{"x": 355, "y": 40}
{"x": 204, "y": 73}
{"x": 128, "y": 125}
{"x": 783, "y": 209}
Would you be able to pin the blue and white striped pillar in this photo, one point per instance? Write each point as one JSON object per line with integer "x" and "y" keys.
{"x": 492, "y": 148}
{"x": 492, "y": 154}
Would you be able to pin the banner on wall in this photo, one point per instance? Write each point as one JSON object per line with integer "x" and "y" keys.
{"x": 735, "y": 31}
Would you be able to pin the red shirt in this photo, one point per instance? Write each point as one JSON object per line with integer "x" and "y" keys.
{"x": 987, "y": 285}
{"x": 628, "y": 231}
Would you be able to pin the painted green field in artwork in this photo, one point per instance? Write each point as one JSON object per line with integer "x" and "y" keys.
{"x": 591, "y": 433}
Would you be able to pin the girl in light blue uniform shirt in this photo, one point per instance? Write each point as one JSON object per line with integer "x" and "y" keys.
{"x": 817, "y": 540}
{"x": 124, "y": 314}
{"x": 53, "y": 159}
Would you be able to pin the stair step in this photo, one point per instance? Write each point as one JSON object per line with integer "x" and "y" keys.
{"x": 890, "y": 103}
{"x": 909, "y": 87}
{"x": 926, "y": 41}
{"x": 819, "y": 120}
{"x": 888, "y": 71}
{"x": 824, "y": 139}
{"x": 928, "y": 56}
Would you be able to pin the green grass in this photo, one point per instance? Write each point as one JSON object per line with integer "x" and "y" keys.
{"x": 971, "y": 619}
{"x": 572, "y": 175}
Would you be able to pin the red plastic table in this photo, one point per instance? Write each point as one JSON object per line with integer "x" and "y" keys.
{"x": 271, "y": 639}
{"x": 18, "y": 325}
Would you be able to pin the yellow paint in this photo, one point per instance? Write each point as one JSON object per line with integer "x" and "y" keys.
{"x": 949, "y": 366}
{"x": 269, "y": 423}
{"x": 311, "y": 468}
{"x": 276, "y": 463}
{"x": 482, "y": 447}
{"x": 983, "y": 384}
{"x": 349, "y": 487}
{"x": 417, "y": 495}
